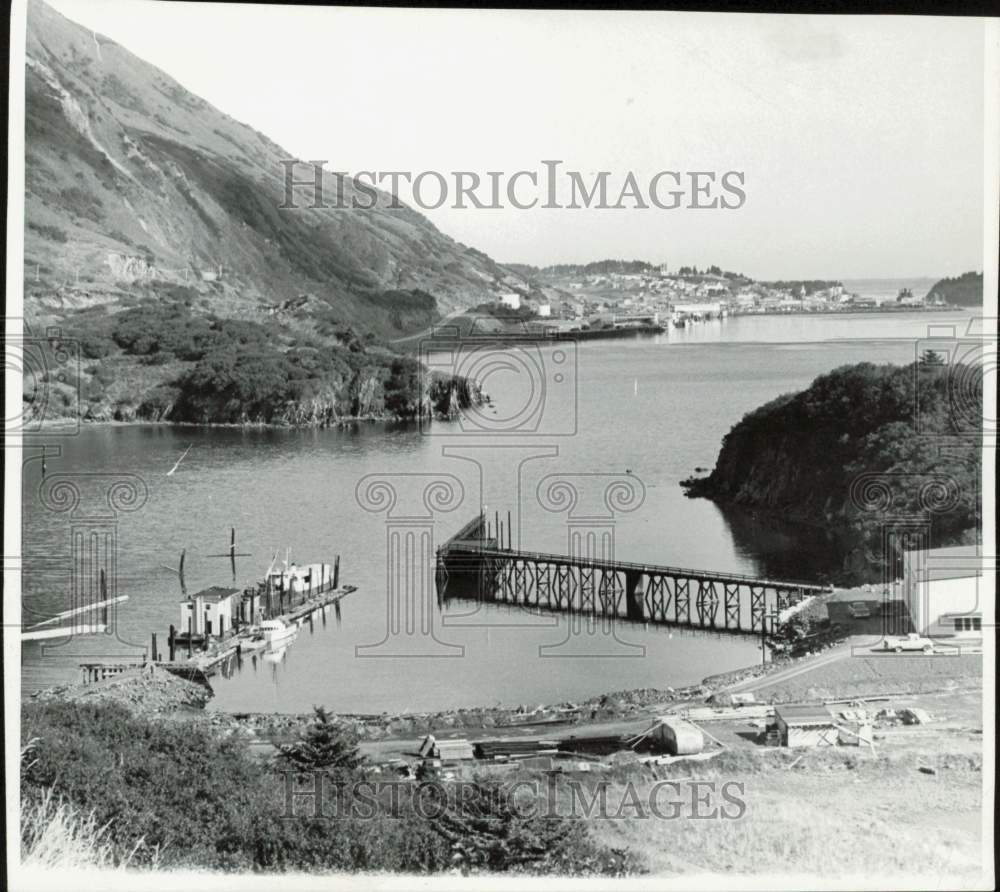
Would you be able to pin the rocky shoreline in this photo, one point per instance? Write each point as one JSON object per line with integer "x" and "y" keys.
{"x": 155, "y": 692}
{"x": 480, "y": 397}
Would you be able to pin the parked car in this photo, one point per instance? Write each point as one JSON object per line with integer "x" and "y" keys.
{"x": 913, "y": 641}
{"x": 859, "y": 609}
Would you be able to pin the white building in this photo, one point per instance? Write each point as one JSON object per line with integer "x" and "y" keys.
{"x": 511, "y": 299}
{"x": 209, "y": 612}
{"x": 544, "y": 309}
{"x": 948, "y": 594}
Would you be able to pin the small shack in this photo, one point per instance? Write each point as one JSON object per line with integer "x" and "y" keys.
{"x": 805, "y": 725}
{"x": 677, "y": 736}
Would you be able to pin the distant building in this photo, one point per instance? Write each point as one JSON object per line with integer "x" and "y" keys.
{"x": 511, "y": 299}
{"x": 544, "y": 310}
{"x": 704, "y": 310}
{"x": 947, "y": 593}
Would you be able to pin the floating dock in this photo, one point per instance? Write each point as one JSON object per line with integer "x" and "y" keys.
{"x": 248, "y": 640}
{"x": 206, "y": 653}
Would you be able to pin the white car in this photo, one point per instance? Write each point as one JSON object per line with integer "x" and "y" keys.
{"x": 913, "y": 641}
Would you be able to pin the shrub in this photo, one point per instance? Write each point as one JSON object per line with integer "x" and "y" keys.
{"x": 169, "y": 787}
{"x": 402, "y": 388}
{"x": 51, "y": 232}
{"x": 83, "y": 203}
{"x": 100, "y": 783}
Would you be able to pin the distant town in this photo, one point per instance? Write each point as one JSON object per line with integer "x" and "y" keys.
{"x": 621, "y": 294}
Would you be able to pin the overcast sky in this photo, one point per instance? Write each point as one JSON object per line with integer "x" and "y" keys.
{"x": 861, "y": 139}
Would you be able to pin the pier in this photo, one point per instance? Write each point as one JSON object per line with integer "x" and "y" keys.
{"x": 474, "y": 565}
{"x": 219, "y": 625}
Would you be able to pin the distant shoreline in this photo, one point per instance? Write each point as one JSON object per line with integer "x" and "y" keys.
{"x": 55, "y": 423}
{"x": 856, "y": 311}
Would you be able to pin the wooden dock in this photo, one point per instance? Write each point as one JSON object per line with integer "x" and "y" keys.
{"x": 204, "y": 661}
{"x": 248, "y": 641}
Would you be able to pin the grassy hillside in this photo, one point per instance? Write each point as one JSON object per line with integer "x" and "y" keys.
{"x": 135, "y": 186}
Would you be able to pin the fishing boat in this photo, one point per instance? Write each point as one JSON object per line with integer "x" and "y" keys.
{"x": 276, "y": 631}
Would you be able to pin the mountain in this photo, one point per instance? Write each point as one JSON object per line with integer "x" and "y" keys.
{"x": 139, "y": 193}
{"x": 858, "y": 447}
{"x": 965, "y": 290}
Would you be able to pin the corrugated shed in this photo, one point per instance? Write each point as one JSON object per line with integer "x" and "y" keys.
{"x": 803, "y": 714}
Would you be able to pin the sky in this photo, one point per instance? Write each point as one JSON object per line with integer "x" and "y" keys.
{"x": 860, "y": 139}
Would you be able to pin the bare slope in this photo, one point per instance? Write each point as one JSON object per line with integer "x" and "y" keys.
{"x": 136, "y": 189}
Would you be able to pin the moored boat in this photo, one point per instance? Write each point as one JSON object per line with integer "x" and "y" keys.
{"x": 276, "y": 631}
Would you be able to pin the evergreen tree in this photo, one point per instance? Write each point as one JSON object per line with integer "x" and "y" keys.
{"x": 323, "y": 746}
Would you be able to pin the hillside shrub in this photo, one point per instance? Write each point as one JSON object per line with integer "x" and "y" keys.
{"x": 170, "y": 794}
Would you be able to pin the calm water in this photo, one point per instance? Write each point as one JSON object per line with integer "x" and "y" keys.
{"x": 658, "y": 407}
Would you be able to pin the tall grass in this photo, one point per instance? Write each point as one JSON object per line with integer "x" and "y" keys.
{"x": 56, "y": 835}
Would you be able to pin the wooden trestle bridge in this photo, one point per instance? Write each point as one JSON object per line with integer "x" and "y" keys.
{"x": 473, "y": 565}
